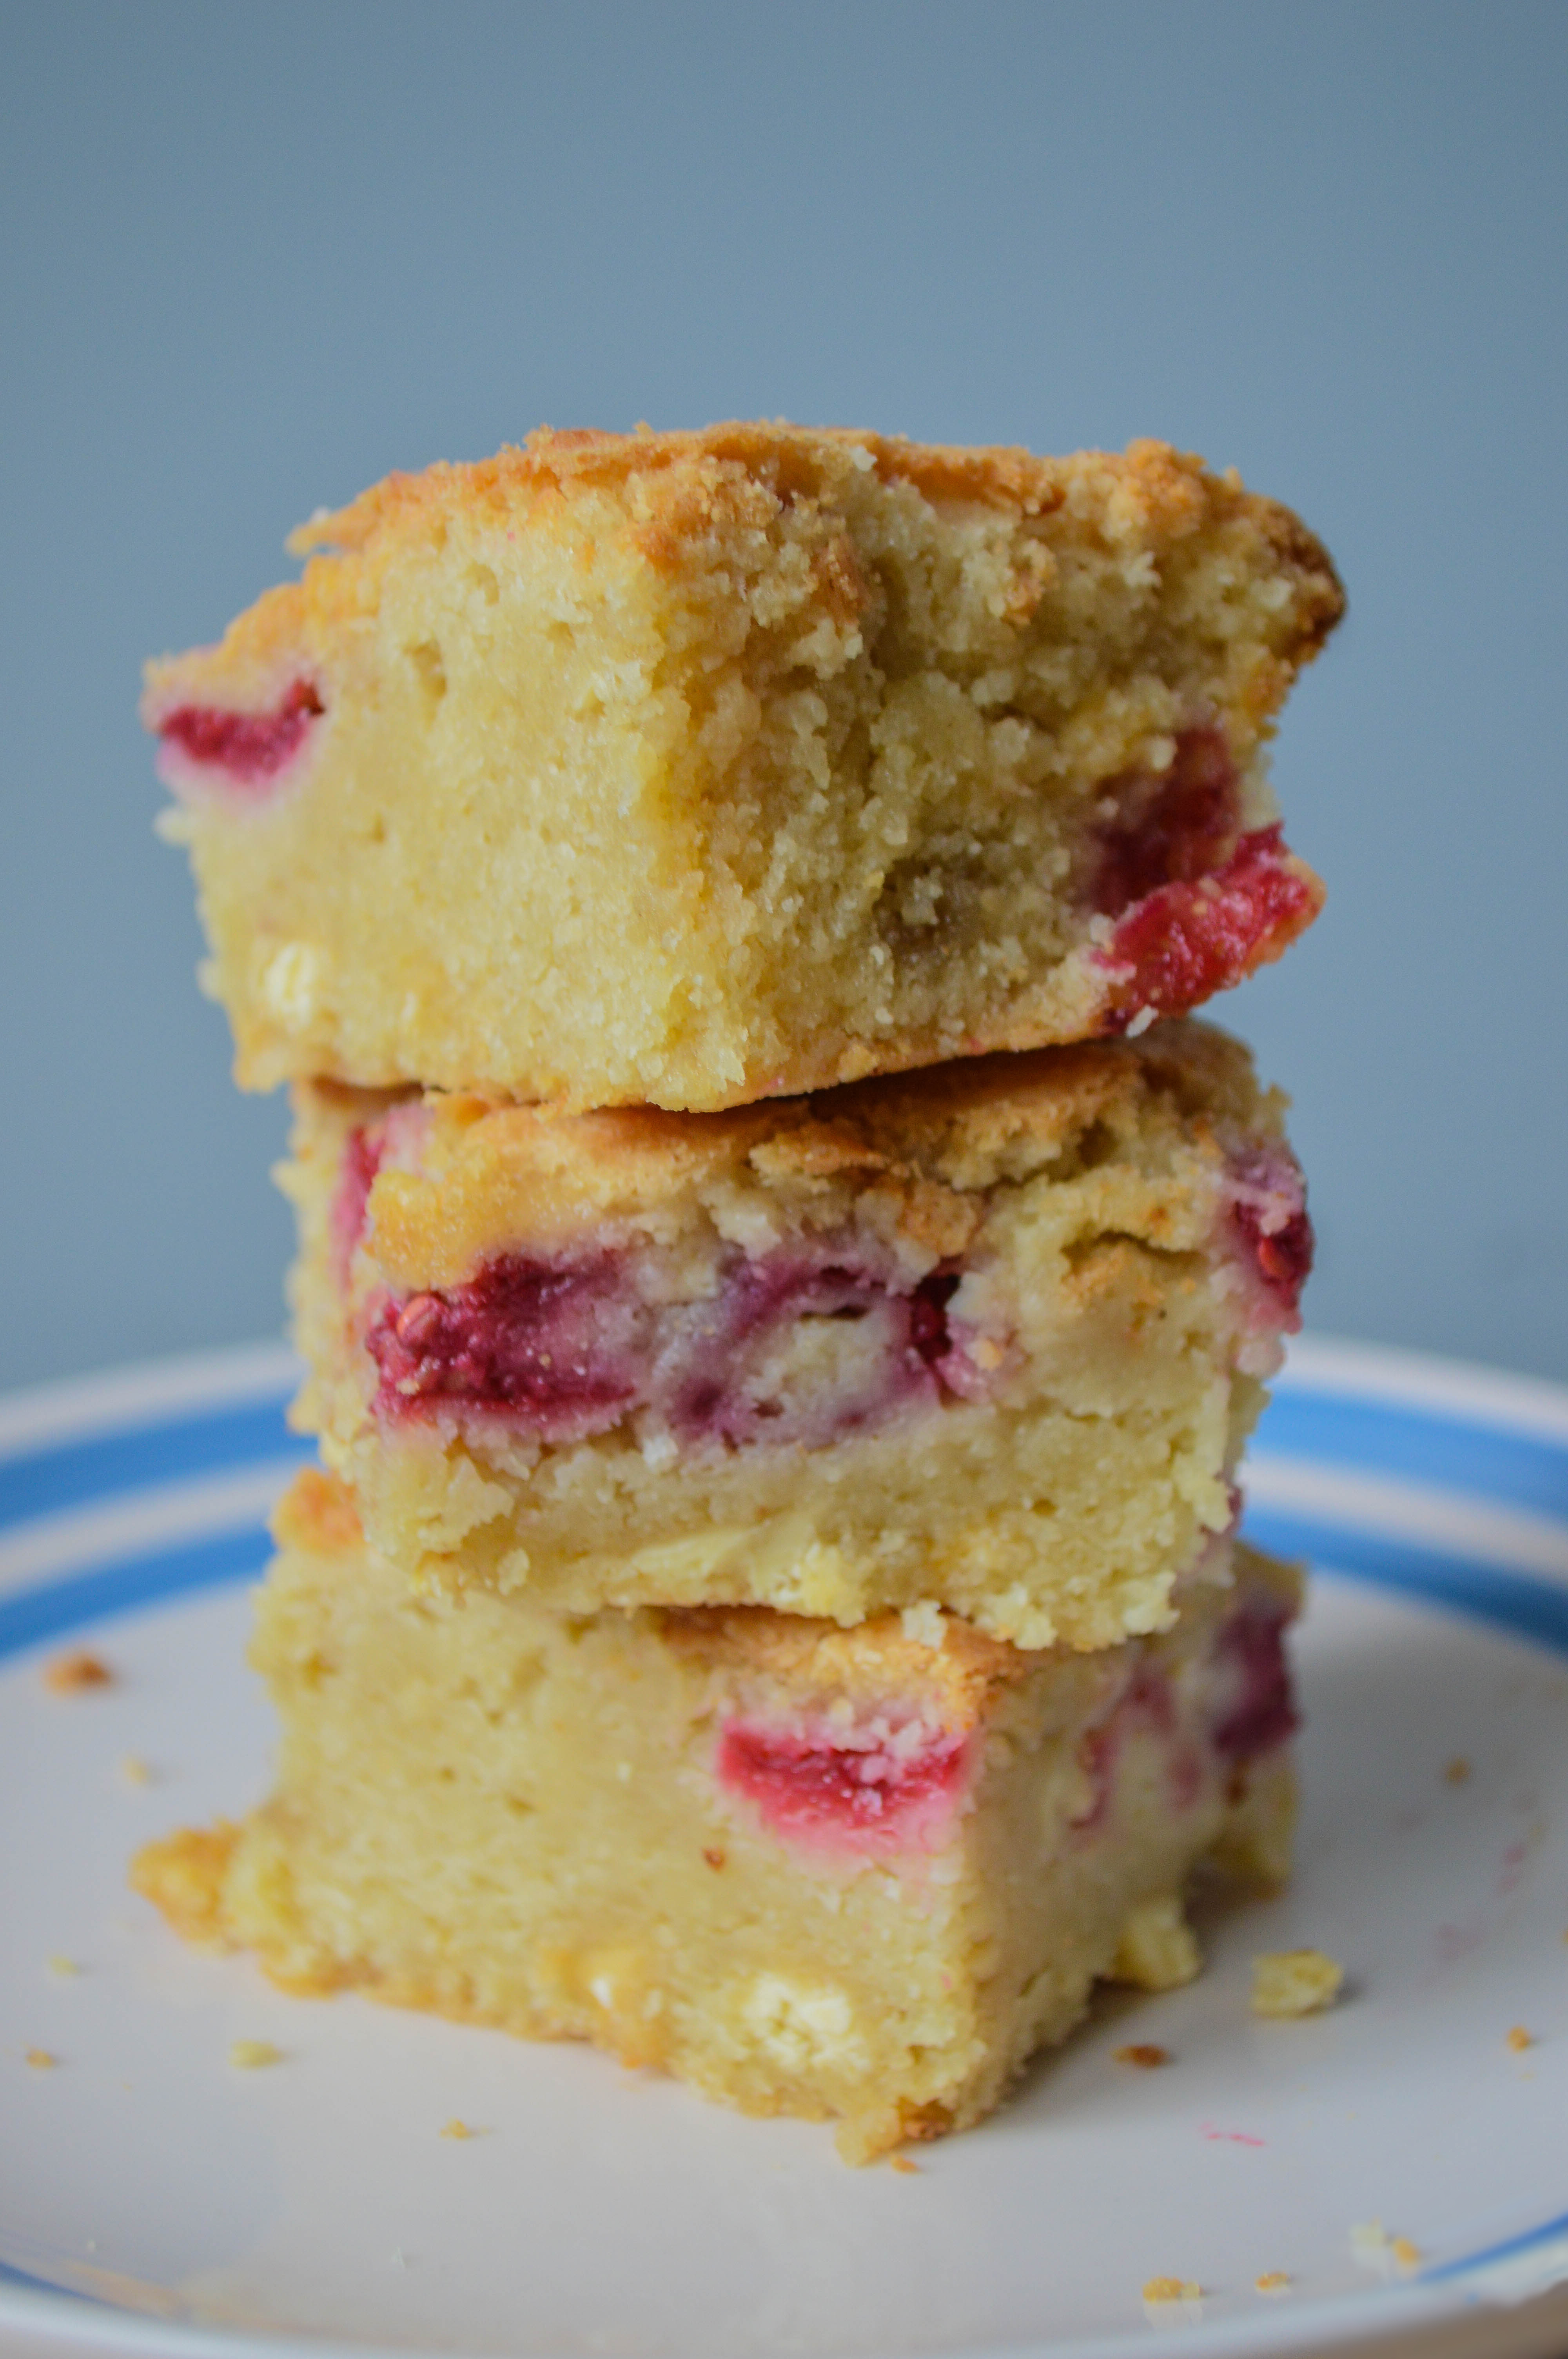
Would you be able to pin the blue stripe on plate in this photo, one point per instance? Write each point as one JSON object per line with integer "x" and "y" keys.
{"x": 1526, "y": 1470}
{"x": 1488, "y": 1460}
{"x": 74, "y": 1474}
{"x": 1509, "y": 2249}
{"x": 1515, "y": 1602}
{"x": 59, "y": 2294}
{"x": 46, "y": 1611}
{"x": 1528, "y": 1608}
{"x": 1336, "y": 1431}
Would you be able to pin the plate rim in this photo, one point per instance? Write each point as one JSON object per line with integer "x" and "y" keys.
{"x": 1519, "y": 2275}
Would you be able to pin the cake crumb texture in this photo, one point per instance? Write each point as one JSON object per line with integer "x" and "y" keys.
{"x": 685, "y": 769}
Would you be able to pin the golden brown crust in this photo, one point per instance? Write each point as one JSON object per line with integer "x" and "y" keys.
{"x": 317, "y": 1512}
{"x": 684, "y": 481}
{"x": 679, "y": 491}
{"x": 927, "y": 1141}
{"x": 960, "y": 1672}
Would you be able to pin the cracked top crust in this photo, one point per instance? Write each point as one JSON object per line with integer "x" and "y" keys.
{"x": 676, "y": 502}
{"x": 1163, "y": 1113}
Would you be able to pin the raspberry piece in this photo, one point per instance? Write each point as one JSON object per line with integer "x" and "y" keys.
{"x": 548, "y": 1342}
{"x": 362, "y": 1161}
{"x": 836, "y": 1789}
{"x": 1179, "y": 945}
{"x": 1261, "y": 1712}
{"x": 1272, "y": 1230}
{"x": 1179, "y": 827}
{"x": 250, "y": 748}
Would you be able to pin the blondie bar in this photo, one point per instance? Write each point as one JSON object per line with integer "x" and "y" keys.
{"x": 688, "y": 770}
{"x": 989, "y": 1337}
{"x": 857, "y": 1875}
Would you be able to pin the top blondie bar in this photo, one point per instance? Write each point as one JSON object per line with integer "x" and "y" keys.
{"x": 694, "y": 768}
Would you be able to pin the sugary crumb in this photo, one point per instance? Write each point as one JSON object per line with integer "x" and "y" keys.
{"x": 923, "y": 1623}
{"x": 74, "y": 1673}
{"x": 1172, "y": 2289}
{"x": 714, "y": 1857}
{"x": 1143, "y": 2053}
{"x": 135, "y": 1771}
{"x": 41, "y": 2061}
{"x": 905, "y": 2169}
{"x": 1458, "y": 1770}
{"x": 1519, "y": 2039}
{"x": 1272, "y": 2281}
{"x": 250, "y": 2055}
{"x": 1157, "y": 1951}
{"x": 455, "y": 2129}
{"x": 1376, "y": 2249}
{"x": 63, "y": 1966}
{"x": 1295, "y": 1981}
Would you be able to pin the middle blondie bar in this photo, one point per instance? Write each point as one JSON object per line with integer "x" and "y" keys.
{"x": 987, "y": 1338}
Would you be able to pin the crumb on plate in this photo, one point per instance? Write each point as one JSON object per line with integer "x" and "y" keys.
{"x": 1519, "y": 2039}
{"x": 1158, "y": 2290}
{"x": 1143, "y": 2053}
{"x": 455, "y": 2129}
{"x": 74, "y": 1673}
{"x": 41, "y": 2061}
{"x": 135, "y": 1770}
{"x": 1374, "y": 2247}
{"x": 250, "y": 2055}
{"x": 1289, "y": 1982}
{"x": 1457, "y": 1771}
{"x": 1272, "y": 2281}
{"x": 905, "y": 2169}
{"x": 63, "y": 1966}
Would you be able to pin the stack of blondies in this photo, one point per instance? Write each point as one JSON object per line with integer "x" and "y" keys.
{"x": 784, "y": 1288}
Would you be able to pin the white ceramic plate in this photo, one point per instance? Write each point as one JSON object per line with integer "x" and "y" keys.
{"x": 152, "y": 2196}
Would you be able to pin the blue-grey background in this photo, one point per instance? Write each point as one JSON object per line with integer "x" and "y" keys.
{"x": 254, "y": 255}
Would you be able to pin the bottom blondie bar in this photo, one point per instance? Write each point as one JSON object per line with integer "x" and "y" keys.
{"x": 855, "y": 1874}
